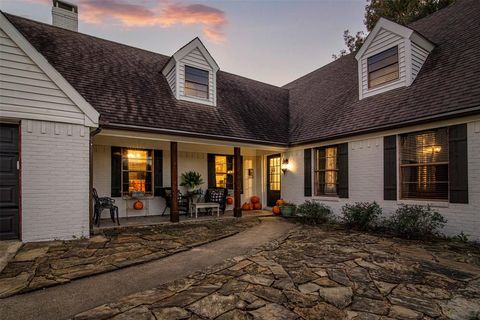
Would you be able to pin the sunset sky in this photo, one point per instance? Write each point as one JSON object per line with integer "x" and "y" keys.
{"x": 270, "y": 41}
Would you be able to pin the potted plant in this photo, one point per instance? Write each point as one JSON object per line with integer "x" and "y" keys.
{"x": 191, "y": 180}
{"x": 288, "y": 209}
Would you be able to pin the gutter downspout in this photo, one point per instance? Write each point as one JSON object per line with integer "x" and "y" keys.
{"x": 90, "y": 166}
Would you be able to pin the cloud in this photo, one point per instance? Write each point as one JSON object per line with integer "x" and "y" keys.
{"x": 147, "y": 13}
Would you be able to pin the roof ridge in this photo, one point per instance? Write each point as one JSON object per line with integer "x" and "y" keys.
{"x": 80, "y": 33}
{"x": 126, "y": 45}
{"x": 318, "y": 69}
{"x": 250, "y": 79}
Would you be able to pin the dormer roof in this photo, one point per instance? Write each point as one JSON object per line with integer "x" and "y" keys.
{"x": 402, "y": 31}
{"x": 196, "y": 43}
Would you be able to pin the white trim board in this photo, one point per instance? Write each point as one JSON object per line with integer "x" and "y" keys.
{"x": 91, "y": 115}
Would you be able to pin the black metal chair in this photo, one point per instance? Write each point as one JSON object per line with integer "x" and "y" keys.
{"x": 217, "y": 195}
{"x": 102, "y": 203}
{"x": 166, "y": 193}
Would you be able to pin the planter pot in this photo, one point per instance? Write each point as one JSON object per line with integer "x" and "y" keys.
{"x": 288, "y": 211}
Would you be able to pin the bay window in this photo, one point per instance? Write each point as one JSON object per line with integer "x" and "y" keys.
{"x": 424, "y": 165}
{"x": 326, "y": 171}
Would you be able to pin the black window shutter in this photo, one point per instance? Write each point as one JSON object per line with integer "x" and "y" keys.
{"x": 211, "y": 170}
{"x": 307, "y": 173}
{"x": 116, "y": 180}
{"x": 343, "y": 170}
{"x": 157, "y": 172}
{"x": 458, "y": 163}
{"x": 390, "y": 168}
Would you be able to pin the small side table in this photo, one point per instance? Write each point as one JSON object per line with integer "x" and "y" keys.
{"x": 204, "y": 205}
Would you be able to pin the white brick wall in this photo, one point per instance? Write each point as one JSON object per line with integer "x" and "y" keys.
{"x": 54, "y": 177}
{"x": 366, "y": 183}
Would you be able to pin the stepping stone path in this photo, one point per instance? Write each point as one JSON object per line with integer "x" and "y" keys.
{"x": 44, "y": 264}
{"x": 314, "y": 273}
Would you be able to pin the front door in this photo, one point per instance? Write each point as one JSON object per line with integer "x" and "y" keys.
{"x": 9, "y": 184}
{"x": 273, "y": 179}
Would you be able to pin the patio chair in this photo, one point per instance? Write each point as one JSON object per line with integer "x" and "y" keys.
{"x": 217, "y": 195}
{"x": 166, "y": 193}
{"x": 102, "y": 203}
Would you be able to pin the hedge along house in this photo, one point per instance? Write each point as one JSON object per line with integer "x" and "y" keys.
{"x": 398, "y": 123}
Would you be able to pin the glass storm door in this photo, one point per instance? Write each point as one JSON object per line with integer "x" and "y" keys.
{"x": 273, "y": 179}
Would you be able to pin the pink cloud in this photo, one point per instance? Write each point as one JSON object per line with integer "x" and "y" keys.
{"x": 152, "y": 13}
{"x": 144, "y": 13}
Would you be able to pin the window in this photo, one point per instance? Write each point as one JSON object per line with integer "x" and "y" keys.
{"x": 136, "y": 171}
{"x": 383, "y": 67}
{"x": 224, "y": 172}
{"x": 196, "y": 82}
{"x": 326, "y": 171}
{"x": 424, "y": 165}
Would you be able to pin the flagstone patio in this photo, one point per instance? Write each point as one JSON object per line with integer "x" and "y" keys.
{"x": 315, "y": 273}
{"x": 44, "y": 264}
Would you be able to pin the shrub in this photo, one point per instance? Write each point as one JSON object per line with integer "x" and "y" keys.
{"x": 414, "y": 221}
{"x": 313, "y": 212}
{"x": 361, "y": 215}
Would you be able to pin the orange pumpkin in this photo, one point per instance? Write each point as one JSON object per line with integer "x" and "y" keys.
{"x": 246, "y": 206}
{"x": 276, "y": 210}
{"x": 138, "y": 205}
{"x": 229, "y": 200}
{"x": 257, "y": 206}
{"x": 255, "y": 199}
{"x": 280, "y": 202}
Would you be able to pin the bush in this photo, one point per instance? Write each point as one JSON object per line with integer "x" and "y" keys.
{"x": 414, "y": 221}
{"x": 313, "y": 212}
{"x": 361, "y": 215}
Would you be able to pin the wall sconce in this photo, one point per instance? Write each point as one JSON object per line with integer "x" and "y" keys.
{"x": 284, "y": 165}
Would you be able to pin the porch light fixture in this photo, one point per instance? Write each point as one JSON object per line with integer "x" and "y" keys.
{"x": 285, "y": 165}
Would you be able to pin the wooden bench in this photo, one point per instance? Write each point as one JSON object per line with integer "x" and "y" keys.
{"x": 204, "y": 205}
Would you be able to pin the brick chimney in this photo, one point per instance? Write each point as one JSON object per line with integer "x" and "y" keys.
{"x": 65, "y": 15}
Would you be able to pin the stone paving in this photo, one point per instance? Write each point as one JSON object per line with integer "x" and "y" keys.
{"x": 44, "y": 264}
{"x": 315, "y": 273}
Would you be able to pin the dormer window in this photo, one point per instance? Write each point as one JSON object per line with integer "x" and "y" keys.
{"x": 196, "y": 82}
{"x": 191, "y": 73}
{"x": 391, "y": 57}
{"x": 383, "y": 67}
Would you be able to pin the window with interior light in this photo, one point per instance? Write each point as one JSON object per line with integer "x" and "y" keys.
{"x": 383, "y": 67}
{"x": 224, "y": 171}
{"x": 196, "y": 82}
{"x": 137, "y": 171}
{"x": 326, "y": 171}
{"x": 424, "y": 165}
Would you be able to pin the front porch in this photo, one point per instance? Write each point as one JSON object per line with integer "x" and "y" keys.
{"x": 128, "y": 163}
{"x": 107, "y": 224}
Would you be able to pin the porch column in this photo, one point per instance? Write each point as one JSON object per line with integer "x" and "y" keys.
{"x": 174, "y": 181}
{"x": 237, "y": 182}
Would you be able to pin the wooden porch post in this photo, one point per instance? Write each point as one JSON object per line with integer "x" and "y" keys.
{"x": 174, "y": 181}
{"x": 237, "y": 182}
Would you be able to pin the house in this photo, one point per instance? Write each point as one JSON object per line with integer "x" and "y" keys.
{"x": 398, "y": 122}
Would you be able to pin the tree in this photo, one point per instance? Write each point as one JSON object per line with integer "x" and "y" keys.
{"x": 399, "y": 11}
{"x": 353, "y": 43}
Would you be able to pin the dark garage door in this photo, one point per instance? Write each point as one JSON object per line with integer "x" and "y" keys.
{"x": 9, "y": 184}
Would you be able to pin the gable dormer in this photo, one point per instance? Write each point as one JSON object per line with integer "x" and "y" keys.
{"x": 390, "y": 58}
{"x": 192, "y": 74}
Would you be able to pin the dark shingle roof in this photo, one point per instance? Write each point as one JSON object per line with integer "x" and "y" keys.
{"x": 324, "y": 103}
{"x": 126, "y": 86}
